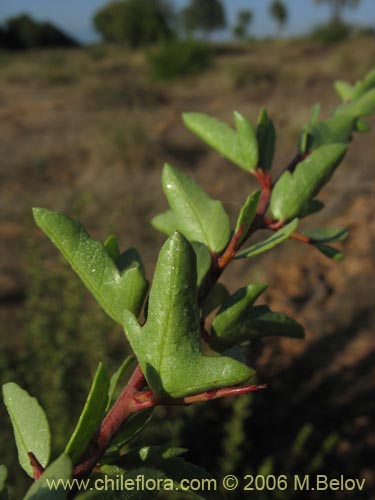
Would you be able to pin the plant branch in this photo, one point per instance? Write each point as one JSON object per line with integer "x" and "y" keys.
{"x": 38, "y": 468}
{"x": 147, "y": 399}
{"x": 219, "y": 263}
{"x": 274, "y": 225}
{"x": 133, "y": 398}
{"x": 231, "y": 249}
{"x": 293, "y": 164}
{"x": 265, "y": 182}
{"x": 117, "y": 415}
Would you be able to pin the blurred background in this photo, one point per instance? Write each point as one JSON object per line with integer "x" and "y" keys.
{"x": 91, "y": 95}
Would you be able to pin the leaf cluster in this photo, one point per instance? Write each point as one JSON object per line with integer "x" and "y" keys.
{"x": 186, "y": 330}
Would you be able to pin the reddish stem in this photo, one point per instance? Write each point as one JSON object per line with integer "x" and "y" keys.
{"x": 222, "y": 393}
{"x": 231, "y": 249}
{"x": 148, "y": 400}
{"x": 302, "y": 238}
{"x": 38, "y": 468}
{"x": 133, "y": 398}
{"x": 265, "y": 182}
{"x": 124, "y": 406}
{"x": 274, "y": 225}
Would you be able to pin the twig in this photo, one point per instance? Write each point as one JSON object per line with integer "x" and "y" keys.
{"x": 38, "y": 468}
{"x": 148, "y": 400}
{"x": 117, "y": 415}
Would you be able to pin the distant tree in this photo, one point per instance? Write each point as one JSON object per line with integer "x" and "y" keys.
{"x": 244, "y": 19}
{"x": 279, "y": 13}
{"x": 205, "y": 15}
{"x": 338, "y": 6}
{"x": 135, "y": 23}
{"x": 22, "y": 32}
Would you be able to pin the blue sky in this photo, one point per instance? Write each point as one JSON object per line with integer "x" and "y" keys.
{"x": 74, "y": 16}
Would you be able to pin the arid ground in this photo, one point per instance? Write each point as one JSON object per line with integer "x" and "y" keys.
{"x": 87, "y": 132}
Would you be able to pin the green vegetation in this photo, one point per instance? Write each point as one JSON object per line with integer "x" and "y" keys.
{"x": 338, "y": 6}
{"x": 334, "y": 31}
{"x": 183, "y": 356}
{"x": 179, "y": 59}
{"x": 22, "y": 32}
{"x": 279, "y": 13}
{"x": 203, "y": 15}
{"x": 242, "y": 26}
{"x": 135, "y": 23}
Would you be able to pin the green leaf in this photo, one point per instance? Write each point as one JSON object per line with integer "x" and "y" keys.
{"x": 335, "y": 130}
{"x": 247, "y": 214}
{"x": 60, "y": 469}
{"x": 327, "y": 234}
{"x": 166, "y": 464}
{"x": 30, "y": 426}
{"x": 135, "y": 482}
{"x": 199, "y": 218}
{"x": 311, "y": 208}
{"x": 266, "y": 136}
{"x": 362, "y": 106}
{"x": 215, "y": 298}
{"x": 224, "y": 138}
{"x": 125, "y": 368}
{"x": 90, "y": 260}
{"x": 178, "y": 470}
{"x": 203, "y": 256}
{"x": 353, "y": 93}
{"x": 91, "y": 416}
{"x": 248, "y": 141}
{"x": 235, "y": 352}
{"x": 271, "y": 242}
{"x": 168, "y": 346}
{"x": 3, "y": 478}
{"x": 235, "y": 308}
{"x": 256, "y": 323}
{"x": 362, "y": 126}
{"x": 364, "y": 85}
{"x": 315, "y": 113}
{"x": 293, "y": 191}
{"x": 130, "y": 259}
{"x": 344, "y": 90}
{"x": 165, "y": 222}
{"x": 168, "y": 472}
{"x": 330, "y": 252}
{"x": 111, "y": 245}
{"x": 147, "y": 455}
{"x": 131, "y": 428}
{"x": 369, "y": 80}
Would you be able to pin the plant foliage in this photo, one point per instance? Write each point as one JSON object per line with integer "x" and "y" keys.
{"x": 182, "y": 356}
{"x": 135, "y": 23}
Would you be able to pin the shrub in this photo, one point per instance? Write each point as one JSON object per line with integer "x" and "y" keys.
{"x": 135, "y": 23}
{"x": 334, "y": 31}
{"x": 177, "y": 59}
{"x": 183, "y": 352}
{"x": 23, "y": 32}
